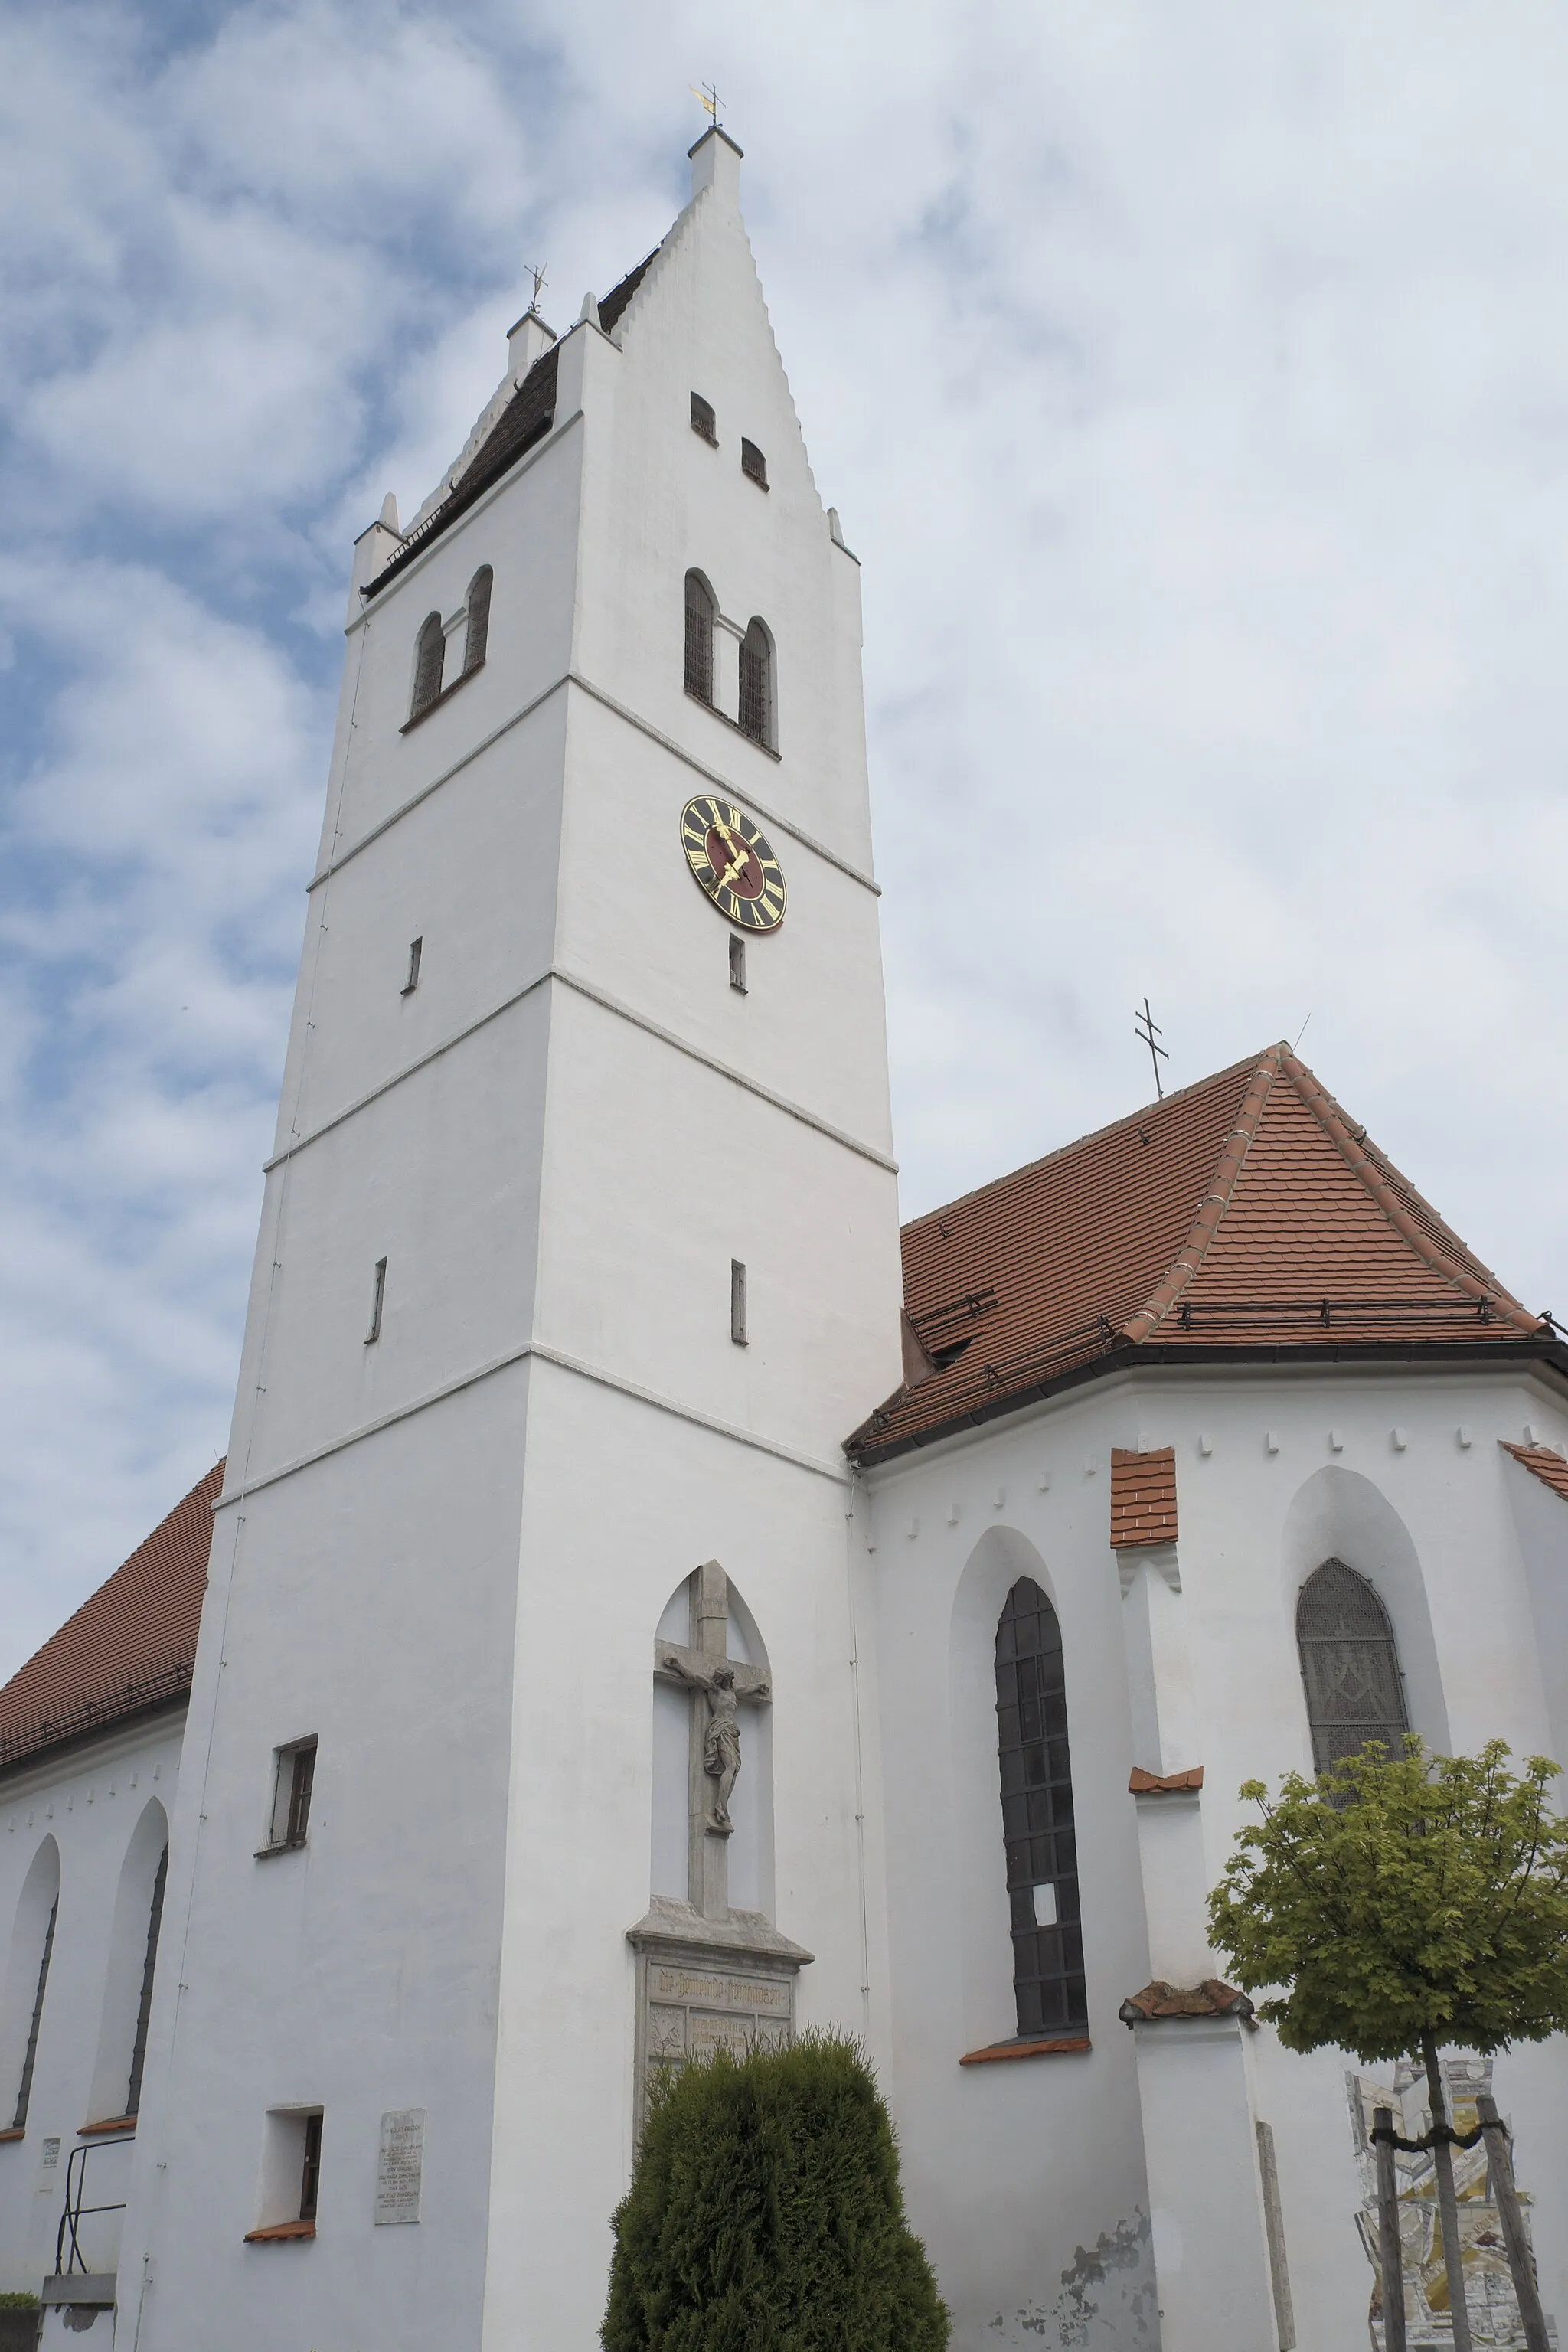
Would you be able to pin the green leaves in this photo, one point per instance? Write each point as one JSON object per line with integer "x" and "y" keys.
{"x": 1396, "y": 1897}
{"x": 766, "y": 2215}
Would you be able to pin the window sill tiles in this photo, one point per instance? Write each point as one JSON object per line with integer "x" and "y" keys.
{"x": 18, "y": 2132}
{"x": 284, "y": 1845}
{"x": 723, "y": 717}
{"x": 280, "y": 2234}
{"x": 126, "y": 2124}
{"x": 1060, "y": 2045}
{"x": 445, "y": 696}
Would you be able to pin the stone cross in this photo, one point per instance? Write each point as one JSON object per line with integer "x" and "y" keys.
{"x": 716, "y": 1684}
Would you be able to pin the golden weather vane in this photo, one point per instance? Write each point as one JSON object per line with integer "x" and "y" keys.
{"x": 708, "y": 99}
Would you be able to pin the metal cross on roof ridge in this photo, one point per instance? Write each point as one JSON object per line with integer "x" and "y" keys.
{"x": 536, "y": 271}
{"x": 1146, "y": 1028}
{"x": 708, "y": 99}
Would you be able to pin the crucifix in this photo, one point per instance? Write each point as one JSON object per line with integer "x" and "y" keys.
{"x": 716, "y": 1684}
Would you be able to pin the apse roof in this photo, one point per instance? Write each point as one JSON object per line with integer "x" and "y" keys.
{"x": 1545, "y": 1462}
{"x": 128, "y": 1649}
{"x": 526, "y": 418}
{"x": 1246, "y": 1218}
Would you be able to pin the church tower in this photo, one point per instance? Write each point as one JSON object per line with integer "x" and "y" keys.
{"x": 579, "y": 1258}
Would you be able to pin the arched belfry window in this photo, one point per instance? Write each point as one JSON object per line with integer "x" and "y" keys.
{"x": 478, "y": 630}
{"x": 429, "y": 663}
{"x": 700, "y": 617}
{"x": 1350, "y": 1666}
{"x": 1037, "y": 1815}
{"x": 757, "y": 684}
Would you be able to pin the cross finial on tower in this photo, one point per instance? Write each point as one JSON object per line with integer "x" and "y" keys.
{"x": 536, "y": 271}
{"x": 708, "y": 99}
{"x": 1147, "y": 1029}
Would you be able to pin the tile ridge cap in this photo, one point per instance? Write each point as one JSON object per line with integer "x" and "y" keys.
{"x": 1077, "y": 1143}
{"x": 1183, "y": 1267}
{"x": 1352, "y": 1150}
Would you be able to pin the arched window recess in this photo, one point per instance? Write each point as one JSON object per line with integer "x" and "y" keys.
{"x": 757, "y": 684}
{"x": 701, "y": 612}
{"x": 1037, "y": 1817}
{"x": 479, "y": 621}
{"x": 429, "y": 661}
{"x": 1350, "y": 1666}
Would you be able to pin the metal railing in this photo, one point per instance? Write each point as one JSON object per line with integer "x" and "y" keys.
{"x": 69, "y": 2256}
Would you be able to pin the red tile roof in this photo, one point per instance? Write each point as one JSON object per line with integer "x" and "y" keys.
{"x": 129, "y": 1648}
{"x": 1142, "y": 1496}
{"x": 1247, "y": 1214}
{"x": 1545, "y": 1461}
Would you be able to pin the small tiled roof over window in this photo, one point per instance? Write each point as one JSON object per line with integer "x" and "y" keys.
{"x": 128, "y": 1649}
{"x": 1142, "y": 1496}
{"x": 1547, "y": 1464}
{"x": 1247, "y": 1217}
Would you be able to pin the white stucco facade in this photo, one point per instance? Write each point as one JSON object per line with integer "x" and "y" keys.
{"x": 444, "y": 1550}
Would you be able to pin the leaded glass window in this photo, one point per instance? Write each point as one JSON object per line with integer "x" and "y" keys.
{"x": 1037, "y": 1815}
{"x": 1350, "y": 1668}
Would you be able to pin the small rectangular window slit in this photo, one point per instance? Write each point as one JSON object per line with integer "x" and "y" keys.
{"x": 737, "y": 1302}
{"x": 310, "y": 2171}
{"x": 377, "y": 1300}
{"x": 415, "y": 950}
{"x": 738, "y": 962}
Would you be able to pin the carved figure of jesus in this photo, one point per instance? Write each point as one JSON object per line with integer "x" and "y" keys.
{"x": 722, "y": 1734}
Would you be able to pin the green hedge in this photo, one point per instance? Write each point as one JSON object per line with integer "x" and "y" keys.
{"x": 766, "y": 2215}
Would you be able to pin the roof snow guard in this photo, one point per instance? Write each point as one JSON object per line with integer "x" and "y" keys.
{"x": 1244, "y": 1218}
{"x": 527, "y": 417}
{"x": 128, "y": 1649}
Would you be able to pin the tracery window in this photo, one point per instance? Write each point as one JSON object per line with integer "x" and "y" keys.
{"x": 429, "y": 663}
{"x": 36, "y": 2017}
{"x": 1037, "y": 1815}
{"x": 144, "y": 1999}
{"x": 1350, "y": 1666}
{"x": 699, "y": 614}
{"x": 757, "y": 684}
{"x": 478, "y": 628}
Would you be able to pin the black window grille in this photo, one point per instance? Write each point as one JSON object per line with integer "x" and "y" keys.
{"x": 1350, "y": 1666}
{"x": 699, "y": 637}
{"x": 428, "y": 665}
{"x": 754, "y": 465}
{"x": 478, "y": 630}
{"x": 144, "y": 2005}
{"x": 703, "y": 420}
{"x": 310, "y": 2174}
{"x": 757, "y": 684}
{"x": 1038, "y": 1816}
{"x": 18, "y": 2121}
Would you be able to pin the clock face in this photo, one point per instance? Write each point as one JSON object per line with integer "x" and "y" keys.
{"x": 732, "y": 862}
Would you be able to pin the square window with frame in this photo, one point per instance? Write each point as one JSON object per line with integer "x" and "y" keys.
{"x": 294, "y": 1780}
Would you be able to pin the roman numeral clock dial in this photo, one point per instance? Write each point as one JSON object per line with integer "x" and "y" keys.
{"x": 733, "y": 864}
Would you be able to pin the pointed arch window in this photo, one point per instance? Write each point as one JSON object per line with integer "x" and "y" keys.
{"x": 757, "y": 684}
{"x": 30, "y": 2059}
{"x": 1350, "y": 1666}
{"x": 144, "y": 1999}
{"x": 1037, "y": 1815}
{"x": 700, "y": 618}
{"x": 479, "y": 609}
{"x": 429, "y": 663}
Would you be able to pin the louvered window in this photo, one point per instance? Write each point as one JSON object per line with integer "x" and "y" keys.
{"x": 478, "y": 630}
{"x": 757, "y": 684}
{"x": 144, "y": 2005}
{"x": 699, "y": 637}
{"x": 703, "y": 420}
{"x": 1037, "y": 1815}
{"x": 427, "y": 665}
{"x": 754, "y": 465}
{"x": 1350, "y": 1666}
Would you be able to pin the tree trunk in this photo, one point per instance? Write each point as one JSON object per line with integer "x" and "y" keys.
{"x": 1447, "y": 2203}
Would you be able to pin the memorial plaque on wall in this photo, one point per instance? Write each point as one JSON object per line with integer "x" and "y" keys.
{"x": 399, "y": 2165}
{"x": 703, "y": 1986}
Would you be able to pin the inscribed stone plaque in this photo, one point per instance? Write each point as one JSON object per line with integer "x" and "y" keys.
{"x": 48, "y": 2171}
{"x": 399, "y": 2165}
{"x": 711, "y": 2033}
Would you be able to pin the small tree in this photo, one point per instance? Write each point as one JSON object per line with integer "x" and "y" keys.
{"x": 1403, "y": 1903}
{"x": 766, "y": 2215}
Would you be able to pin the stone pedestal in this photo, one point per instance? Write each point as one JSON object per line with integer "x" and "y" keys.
{"x": 1210, "y": 2258}
{"x": 710, "y": 1984}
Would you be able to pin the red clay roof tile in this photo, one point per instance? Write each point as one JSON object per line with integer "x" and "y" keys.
{"x": 1545, "y": 1461}
{"x": 130, "y": 1646}
{"x": 1246, "y": 1213}
{"x": 1142, "y": 1496}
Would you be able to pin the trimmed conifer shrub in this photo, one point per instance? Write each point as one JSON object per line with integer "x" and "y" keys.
{"x": 766, "y": 2215}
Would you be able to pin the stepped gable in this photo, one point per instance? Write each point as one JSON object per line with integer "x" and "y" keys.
{"x": 1245, "y": 1217}
{"x": 128, "y": 1649}
{"x": 527, "y": 417}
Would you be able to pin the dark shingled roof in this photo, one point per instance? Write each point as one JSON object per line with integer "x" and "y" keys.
{"x": 128, "y": 1650}
{"x": 1244, "y": 1216}
{"x": 527, "y": 417}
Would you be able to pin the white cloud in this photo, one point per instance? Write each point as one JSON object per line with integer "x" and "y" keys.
{"x": 1194, "y": 389}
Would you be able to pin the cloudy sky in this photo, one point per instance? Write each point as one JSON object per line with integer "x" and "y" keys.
{"x": 1193, "y": 382}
